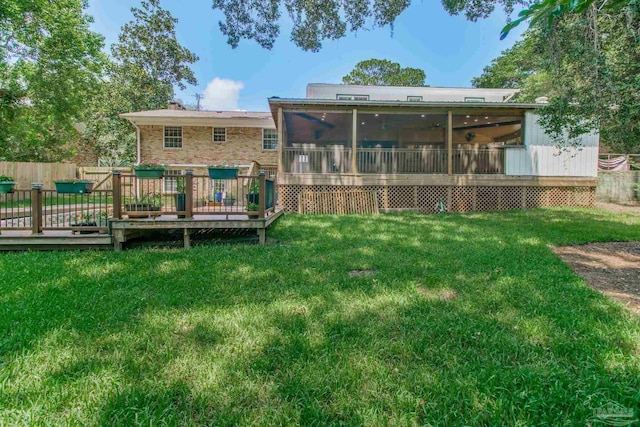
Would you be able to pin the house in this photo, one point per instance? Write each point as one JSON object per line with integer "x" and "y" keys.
{"x": 427, "y": 148}
{"x": 184, "y": 139}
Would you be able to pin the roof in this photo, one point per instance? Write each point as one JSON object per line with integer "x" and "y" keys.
{"x": 274, "y": 103}
{"x": 202, "y": 118}
{"x": 401, "y": 93}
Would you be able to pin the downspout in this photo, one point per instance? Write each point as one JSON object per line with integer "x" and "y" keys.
{"x": 137, "y": 143}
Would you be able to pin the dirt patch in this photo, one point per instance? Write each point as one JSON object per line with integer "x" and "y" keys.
{"x": 612, "y": 207}
{"x": 437, "y": 294}
{"x": 362, "y": 273}
{"x": 612, "y": 268}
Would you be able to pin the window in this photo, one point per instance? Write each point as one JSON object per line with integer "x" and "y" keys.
{"x": 170, "y": 180}
{"x": 173, "y": 137}
{"x": 269, "y": 139}
{"x": 411, "y": 98}
{"x": 219, "y": 134}
{"x": 352, "y": 97}
{"x": 473, "y": 99}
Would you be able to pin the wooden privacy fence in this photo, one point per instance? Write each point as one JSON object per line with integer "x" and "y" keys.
{"x": 26, "y": 173}
{"x": 338, "y": 202}
{"x": 100, "y": 175}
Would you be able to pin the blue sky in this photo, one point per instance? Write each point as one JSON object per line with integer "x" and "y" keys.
{"x": 451, "y": 50}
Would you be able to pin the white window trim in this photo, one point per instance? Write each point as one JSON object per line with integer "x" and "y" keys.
{"x": 213, "y": 133}
{"x": 164, "y": 142}
{"x": 262, "y": 141}
{"x": 169, "y": 176}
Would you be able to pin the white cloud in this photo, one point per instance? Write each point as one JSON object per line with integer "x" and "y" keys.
{"x": 222, "y": 95}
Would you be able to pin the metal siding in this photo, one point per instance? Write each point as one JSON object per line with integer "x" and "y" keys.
{"x": 542, "y": 158}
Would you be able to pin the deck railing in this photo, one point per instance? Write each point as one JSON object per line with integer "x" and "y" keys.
{"x": 189, "y": 196}
{"x": 39, "y": 210}
{"x": 385, "y": 161}
{"x": 401, "y": 161}
{"x": 316, "y": 160}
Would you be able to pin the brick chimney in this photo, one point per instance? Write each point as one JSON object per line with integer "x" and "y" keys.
{"x": 176, "y": 105}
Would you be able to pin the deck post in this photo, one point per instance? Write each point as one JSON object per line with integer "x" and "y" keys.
{"x": 354, "y": 142}
{"x": 449, "y": 142}
{"x": 117, "y": 194}
{"x": 263, "y": 194}
{"x": 262, "y": 236}
{"x": 188, "y": 200}
{"x": 36, "y": 208}
{"x": 280, "y": 140}
{"x": 187, "y": 238}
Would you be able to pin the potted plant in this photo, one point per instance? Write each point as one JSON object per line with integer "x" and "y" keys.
{"x": 253, "y": 196}
{"x": 149, "y": 170}
{"x": 253, "y": 207}
{"x": 91, "y": 219}
{"x": 7, "y": 184}
{"x": 150, "y": 202}
{"x": 73, "y": 186}
{"x": 180, "y": 196}
{"x": 229, "y": 199}
{"x": 223, "y": 171}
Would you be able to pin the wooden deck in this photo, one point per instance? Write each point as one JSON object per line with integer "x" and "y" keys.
{"x": 124, "y": 229}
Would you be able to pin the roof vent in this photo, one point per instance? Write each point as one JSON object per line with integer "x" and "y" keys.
{"x": 176, "y": 105}
{"x": 542, "y": 100}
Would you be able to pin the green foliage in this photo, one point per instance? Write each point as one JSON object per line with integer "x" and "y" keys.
{"x": 587, "y": 64}
{"x": 5, "y": 178}
{"x": 464, "y": 320}
{"x": 382, "y": 72}
{"x": 315, "y": 21}
{"x": 148, "y": 62}
{"x": 50, "y": 67}
{"x": 253, "y": 207}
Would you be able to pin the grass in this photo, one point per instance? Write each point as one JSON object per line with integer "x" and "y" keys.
{"x": 463, "y": 320}
{"x": 20, "y": 200}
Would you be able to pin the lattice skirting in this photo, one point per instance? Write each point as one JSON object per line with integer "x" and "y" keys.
{"x": 456, "y": 198}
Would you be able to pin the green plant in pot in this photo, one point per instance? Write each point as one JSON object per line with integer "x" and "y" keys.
{"x": 223, "y": 171}
{"x": 7, "y": 184}
{"x": 229, "y": 199}
{"x": 91, "y": 219}
{"x": 253, "y": 207}
{"x": 180, "y": 196}
{"x": 253, "y": 195}
{"x": 149, "y": 170}
{"x": 73, "y": 186}
{"x": 149, "y": 202}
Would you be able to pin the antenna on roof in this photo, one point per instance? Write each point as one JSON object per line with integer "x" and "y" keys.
{"x": 198, "y": 97}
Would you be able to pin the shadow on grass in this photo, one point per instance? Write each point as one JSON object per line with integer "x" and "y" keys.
{"x": 277, "y": 335}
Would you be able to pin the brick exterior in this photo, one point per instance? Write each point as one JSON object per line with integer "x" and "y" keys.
{"x": 243, "y": 146}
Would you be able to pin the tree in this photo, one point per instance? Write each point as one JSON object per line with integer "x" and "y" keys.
{"x": 50, "y": 67}
{"x": 315, "y": 21}
{"x": 147, "y": 63}
{"x": 382, "y": 72}
{"x": 594, "y": 58}
{"x": 519, "y": 67}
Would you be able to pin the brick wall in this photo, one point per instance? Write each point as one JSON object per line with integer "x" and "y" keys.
{"x": 243, "y": 145}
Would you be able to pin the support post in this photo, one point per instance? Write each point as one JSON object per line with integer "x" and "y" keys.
{"x": 36, "y": 208}
{"x": 280, "y": 140}
{"x": 262, "y": 195}
{"x": 187, "y": 238}
{"x": 188, "y": 199}
{"x": 354, "y": 142}
{"x": 449, "y": 142}
{"x": 116, "y": 193}
{"x": 262, "y": 236}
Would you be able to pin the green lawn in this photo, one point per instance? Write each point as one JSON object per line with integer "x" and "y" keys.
{"x": 468, "y": 320}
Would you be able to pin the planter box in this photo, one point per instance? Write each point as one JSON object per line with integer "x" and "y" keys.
{"x": 142, "y": 207}
{"x": 223, "y": 173}
{"x": 74, "y": 187}
{"x": 181, "y": 202}
{"x": 228, "y": 202}
{"x": 149, "y": 173}
{"x": 7, "y": 187}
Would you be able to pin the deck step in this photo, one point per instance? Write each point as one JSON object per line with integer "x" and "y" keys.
{"x": 47, "y": 243}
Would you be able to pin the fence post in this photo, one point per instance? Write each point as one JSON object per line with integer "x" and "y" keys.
{"x": 36, "y": 208}
{"x": 263, "y": 194}
{"x": 116, "y": 193}
{"x": 188, "y": 199}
